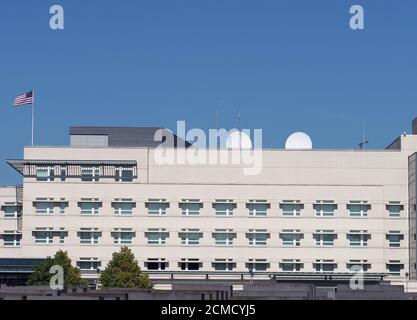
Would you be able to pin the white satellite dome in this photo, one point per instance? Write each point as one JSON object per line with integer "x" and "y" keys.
{"x": 299, "y": 140}
{"x": 238, "y": 140}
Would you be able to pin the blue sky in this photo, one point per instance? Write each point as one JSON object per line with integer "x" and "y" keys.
{"x": 290, "y": 64}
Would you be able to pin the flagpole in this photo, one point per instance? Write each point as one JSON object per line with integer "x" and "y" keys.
{"x": 33, "y": 116}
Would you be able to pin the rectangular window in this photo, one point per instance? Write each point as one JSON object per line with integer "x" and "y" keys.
{"x": 157, "y": 207}
{"x": 156, "y": 264}
{"x": 44, "y": 206}
{"x": 224, "y": 207}
{"x": 394, "y": 209}
{"x": 325, "y": 208}
{"x": 44, "y": 236}
{"x": 289, "y": 265}
{"x": 291, "y": 208}
{"x": 90, "y": 206}
{"x": 11, "y": 239}
{"x": 358, "y": 238}
{"x": 257, "y": 237}
{"x": 63, "y": 173}
{"x": 190, "y": 264}
{"x": 190, "y": 236}
{"x": 124, "y": 174}
{"x": 358, "y": 208}
{"x": 45, "y": 174}
{"x": 89, "y": 264}
{"x": 258, "y": 208}
{"x": 190, "y": 207}
{"x": 394, "y": 267}
{"x": 358, "y": 265}
{"x": 394, "y": 238}
{"x": 89, "y": 235}
{"x": 257, "y": 265}
{"x": 325, "y": 266}
{"x": 10, "y": 210}
{"x": 42, "y": 174}
{"x": 291, "y": 238}
{"x": 224, "y": 237}
{"x": 90, "y": 174}
{"x": 123, "y": 236}
{"x": 123, "y": 207}
{"x": 62, "y": 235}
{"x": 157, "y": 236}
{"x": 223, "y": 265}
{"x": 324, "y": 237}
{"x": 62, "y": 207}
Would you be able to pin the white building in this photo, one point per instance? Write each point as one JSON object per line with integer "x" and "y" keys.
{"x": 307, "y": 211}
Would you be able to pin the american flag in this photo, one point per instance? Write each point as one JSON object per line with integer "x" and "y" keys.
{"x": 23, "y": 99}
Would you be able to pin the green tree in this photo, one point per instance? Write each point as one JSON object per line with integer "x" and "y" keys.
{"x": 41, "y": 275}
{"x": 123, "y": 271}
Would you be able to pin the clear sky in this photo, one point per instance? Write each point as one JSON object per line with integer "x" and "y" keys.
{"x": 291, "y": 65}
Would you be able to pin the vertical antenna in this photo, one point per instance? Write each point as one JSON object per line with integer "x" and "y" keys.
{"x": 33, "y": 117}
{"x": 363, "y": 143}
{"x": 238, "y": 116}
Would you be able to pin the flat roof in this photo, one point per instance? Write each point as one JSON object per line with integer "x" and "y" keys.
{"x": 368, "y": 150}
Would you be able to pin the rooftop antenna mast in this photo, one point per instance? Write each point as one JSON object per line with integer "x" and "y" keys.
{"x": 238, "y": 118}
{"x": 364, "y": 142}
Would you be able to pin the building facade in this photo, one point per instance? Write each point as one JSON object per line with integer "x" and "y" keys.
{"x": 307, "y": 211}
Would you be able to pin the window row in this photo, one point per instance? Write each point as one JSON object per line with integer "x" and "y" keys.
{"x": 222, "y": 237}
{"x": 87, "y": 173}
{"x": 193, "y": 207}
{"x": 393, "y": 267}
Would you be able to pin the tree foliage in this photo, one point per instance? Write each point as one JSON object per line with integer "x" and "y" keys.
{"x": 41, "y": 275}
{"x": 123, "y": 271}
